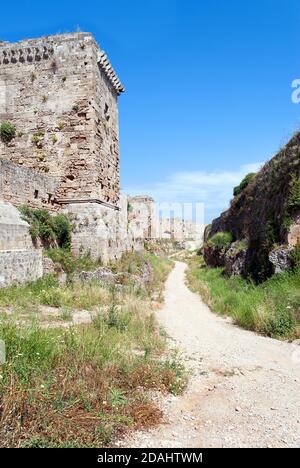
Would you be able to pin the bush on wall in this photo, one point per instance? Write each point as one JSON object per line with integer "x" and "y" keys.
{"x": 50, "y": 230}
{"x": 245, "y": 182}
{"x": 7, "y": 132}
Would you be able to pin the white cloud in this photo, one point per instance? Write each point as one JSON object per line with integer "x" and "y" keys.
{"x": 214, "y": 189}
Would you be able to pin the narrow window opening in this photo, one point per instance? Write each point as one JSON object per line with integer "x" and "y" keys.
{"x": 106, "y": 112}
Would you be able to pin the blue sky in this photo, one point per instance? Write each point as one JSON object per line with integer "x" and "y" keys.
{"x": 208, "y": 85}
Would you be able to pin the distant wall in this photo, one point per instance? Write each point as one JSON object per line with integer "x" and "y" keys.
{"x": 100, "y": 230}
{"x": 19, "y": 185}
{"x": 142, "y": 217}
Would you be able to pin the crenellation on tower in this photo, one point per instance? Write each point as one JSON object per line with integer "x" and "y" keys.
{"x": 61, "y": 94}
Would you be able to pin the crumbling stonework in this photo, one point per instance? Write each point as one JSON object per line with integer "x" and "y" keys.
{"x": 235, "y": 260}
{"x": 19, "y": 185}
{"x": 101, "y": 231}
{"x": 142, "y": 217}
{"x": 280, "y": 258}
{"x": 60, "y": 93}
{"x": 180, "y": 230}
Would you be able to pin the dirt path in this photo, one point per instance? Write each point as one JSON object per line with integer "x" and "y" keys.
{"x": 244, "y": 390}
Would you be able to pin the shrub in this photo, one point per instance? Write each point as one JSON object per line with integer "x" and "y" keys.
{"x": 62, "y": 228}
{"x": 7, "y": 132}
{"x": 280, "y": 323}
{"x": 71, "y": 264}
{"x": 49, "y": 229}
{"x": 221, "y": 239}
{"x": 37, "y": 138}
{"x": 245, "y": 182}
{"x": 294, "y": 195}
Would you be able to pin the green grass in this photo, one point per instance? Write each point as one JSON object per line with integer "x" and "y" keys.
{"x": 133, "y": 263}
{"x": 84, "y": 385}
{"x": 48, "y": 292}
{"x": 71, "y": 264}
{"x": 271, "y": 308}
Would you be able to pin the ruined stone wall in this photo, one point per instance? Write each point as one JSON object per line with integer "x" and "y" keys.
{"x": 171, "y": 228}
{"x": 181, "y": 230}
{"x": 19, "y": 185}
{"x": 142, "y": 217}
{"x": 101, "y": 231}
{"x": 19, "y": 260}
{"x": 61, "y": 95}
{"x": 20, "y": 266}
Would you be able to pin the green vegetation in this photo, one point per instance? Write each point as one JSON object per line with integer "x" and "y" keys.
{"x": 81, "y": 386}
{"x": 37, "y": 138}
{"x": 7, "y": 132}
{"x": 295, "y": 256}
{"x": 221, "y": 239}
{"x": 71, "y": 264}
{"x": 138, "y": 263}
{"x": 271, "y": 308}
{"x": 293, "y": 201}
{"x": 245, "y": 182}
{"x": 294, "y": 196}
{"x": 51, "y": 230}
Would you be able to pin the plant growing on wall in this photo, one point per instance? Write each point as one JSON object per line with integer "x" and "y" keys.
{"x": 294, "y": 197}
{"x": 245, "y": 182}
{"x": 50, "y": 230}
{"x": 7, "y": 132}
{"x": 293, "y": 201}
{"x": 37, "y": 139}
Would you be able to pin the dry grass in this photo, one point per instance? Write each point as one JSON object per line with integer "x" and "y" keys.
{"x": 81, "y": 386}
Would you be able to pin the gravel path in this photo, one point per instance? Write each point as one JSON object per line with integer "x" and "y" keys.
{"x": 244, "y": 390}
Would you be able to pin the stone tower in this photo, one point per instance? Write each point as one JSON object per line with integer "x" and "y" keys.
{"x": 61, "y": 94}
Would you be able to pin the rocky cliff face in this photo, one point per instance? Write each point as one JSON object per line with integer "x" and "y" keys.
{"x": 266, "y": 214}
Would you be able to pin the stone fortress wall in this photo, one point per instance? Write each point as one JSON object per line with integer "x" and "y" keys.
{"x": 19, "y": 260}
{"x": 61, "y": 95}
{"x": 21, "y": 186}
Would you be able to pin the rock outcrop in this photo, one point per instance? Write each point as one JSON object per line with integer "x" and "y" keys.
{"x": 235, "y": 260}
{"x": 280, "y": 257}
{"x": 265, "y": 213}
